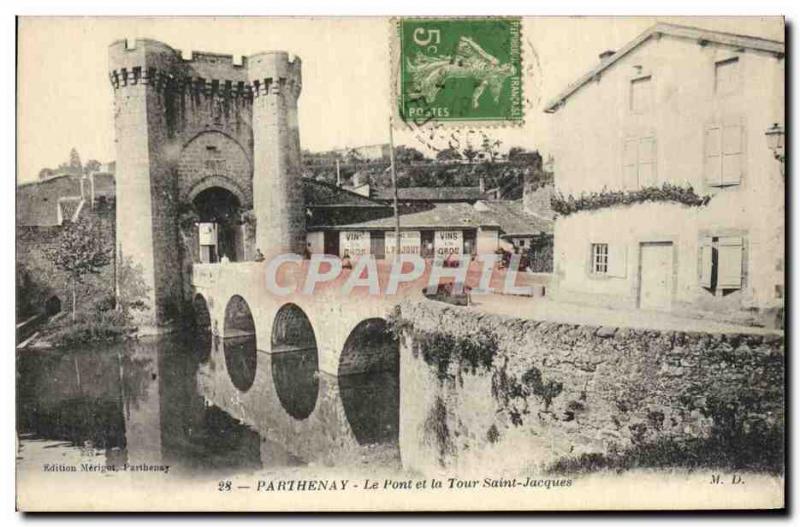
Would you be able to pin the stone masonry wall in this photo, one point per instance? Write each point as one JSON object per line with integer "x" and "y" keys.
{"x": 489, "y": 391}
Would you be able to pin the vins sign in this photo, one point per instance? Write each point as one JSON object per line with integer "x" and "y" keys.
{"x": 448, "y": 242}
{"x": 354, "y": 243}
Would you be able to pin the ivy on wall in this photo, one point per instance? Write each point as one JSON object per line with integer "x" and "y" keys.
{"x": 611, "y": 198}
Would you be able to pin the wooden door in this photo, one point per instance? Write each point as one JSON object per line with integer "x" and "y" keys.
{"x": 656, "y": 276}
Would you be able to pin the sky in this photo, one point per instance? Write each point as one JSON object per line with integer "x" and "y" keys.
{"x": 64, "y": 98}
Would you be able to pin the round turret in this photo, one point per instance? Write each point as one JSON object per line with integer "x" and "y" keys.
{"x": 277, "y": 185}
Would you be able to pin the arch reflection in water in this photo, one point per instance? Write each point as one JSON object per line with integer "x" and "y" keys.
{"x": 239, "y": 343}
{"x": 369, "y": 382}
{"x": 203, "y": 339}
{"x": 294, "y": 361}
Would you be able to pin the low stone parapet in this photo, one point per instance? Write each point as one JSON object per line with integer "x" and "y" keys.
{"x": 482, "y": 390}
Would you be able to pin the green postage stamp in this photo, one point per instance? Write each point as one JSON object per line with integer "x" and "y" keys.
{"x": 455, "y": 70}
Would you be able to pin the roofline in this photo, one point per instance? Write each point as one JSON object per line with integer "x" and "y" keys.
{"x": 45, "y": 180}
{"x": 525, "y": 234}
{"x": 341, "y": 189}
{"x": 346, "y": 206}
{"x": 674, "y": 30}
{"x": 402, "y": 227}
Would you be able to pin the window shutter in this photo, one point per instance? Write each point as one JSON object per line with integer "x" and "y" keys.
{"x": 729, "y": 268}
{"x": 705, "y": 263}
{"x": 714, "y": 155}
{"x": 629, "y": 163}
{"x": 617, "y": 260}
{"x": 732, "y": 155}
{"x": 647, "y": 162}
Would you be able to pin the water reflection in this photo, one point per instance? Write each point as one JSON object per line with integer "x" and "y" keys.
{"x": 240, "y": 359}
{"x": 369, "y": 382}
{"x": 74, "y": 398}
{"x": 135, "y": 402}
{"x": 294, "y": 360}
{"x": 296, "y": 383}
{"x": 372, "y": 405}
{"x": 140, "y": 402}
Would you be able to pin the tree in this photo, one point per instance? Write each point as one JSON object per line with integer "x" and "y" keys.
{"x": 82, "y": 249}
{"x": 132, "y": 289}
{"x": 46, "y": 173}
{"x": 448, "y": 154}
{"x": 515, "y": 152}
{"x": 490, "y": 148}
{"x": 92, "y": 165}
{"x": 470, "y": 153}
{"x": 75, "y": 161}
{"x": 405, "y": 155}
{"x": 353, "y": 157}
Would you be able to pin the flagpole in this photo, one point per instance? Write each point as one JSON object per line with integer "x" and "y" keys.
{"x": 394, "y": 187}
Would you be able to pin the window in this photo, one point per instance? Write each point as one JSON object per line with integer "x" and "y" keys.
{"x": 641, "y": 98}
{"x": 726, "y": 76}
{"x": 599, "y": 258}
{"x": 721, "y": 259}
{"x": 724, "y": 154}
{"x": 609, "y": 260}
{"x": 639, "y": 162}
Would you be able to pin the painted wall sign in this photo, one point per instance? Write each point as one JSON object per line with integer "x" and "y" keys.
{"x": 207, "y": 232}
{"x": 410, "y": 242}
{"x": 448, "y": 242}
{"x": 354, "y": 243}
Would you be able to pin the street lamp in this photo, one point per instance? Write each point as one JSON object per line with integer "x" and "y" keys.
{"x": 775, "y": 135}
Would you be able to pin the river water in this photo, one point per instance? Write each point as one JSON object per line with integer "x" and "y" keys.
{"x": 139, "y": 402}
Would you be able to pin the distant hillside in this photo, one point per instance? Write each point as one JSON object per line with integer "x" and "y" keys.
{"x": 508, "y": 177}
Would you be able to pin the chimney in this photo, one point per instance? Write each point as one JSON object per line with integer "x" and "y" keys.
{"x": 607, "y": 54}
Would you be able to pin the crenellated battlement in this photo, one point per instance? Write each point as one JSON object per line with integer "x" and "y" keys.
{"x": 202, "y": 57}
{"x": 275, "y": 72}
{"x": 162, "y": 80}
{"x": 155, "y": 64}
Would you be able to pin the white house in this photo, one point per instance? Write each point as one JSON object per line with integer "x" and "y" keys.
{"x": 685, "y": 107}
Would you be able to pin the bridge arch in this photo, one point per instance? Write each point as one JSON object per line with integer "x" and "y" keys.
{"x": 239, "y": 343}
{"x": 369, "y": 382}
{"x": 295, "y": 361}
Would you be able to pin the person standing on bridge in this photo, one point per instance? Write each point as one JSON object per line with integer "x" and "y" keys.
{"x": 346, "y": 263}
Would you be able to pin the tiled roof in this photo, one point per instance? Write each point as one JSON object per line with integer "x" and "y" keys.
{"x": 441, "y": 215}
{"x": 693, "y": 33}
{"x": 322, "y": 194}
{"x": 507, "y": 216}
{"x": 514, "y": 220}
{"x": 432, "y": 194}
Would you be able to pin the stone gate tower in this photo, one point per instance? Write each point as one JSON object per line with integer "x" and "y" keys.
{"x": 202, "y": 139}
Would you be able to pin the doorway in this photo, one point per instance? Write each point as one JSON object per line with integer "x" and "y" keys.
{"x": 331, "y": 242}
{"x": 219, "y": 213}
{"x": 656, "y": 269}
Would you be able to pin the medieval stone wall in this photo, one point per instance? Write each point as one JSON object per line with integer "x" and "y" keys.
{"x": 482, "y": 390}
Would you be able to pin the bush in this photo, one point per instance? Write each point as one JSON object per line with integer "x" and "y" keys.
{"x": 608, "y": 198}
{"x": 90, "y": 326}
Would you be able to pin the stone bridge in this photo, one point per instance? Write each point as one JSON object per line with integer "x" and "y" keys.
{"x": 317, "y": 373}
{"x": 233, "y": 290}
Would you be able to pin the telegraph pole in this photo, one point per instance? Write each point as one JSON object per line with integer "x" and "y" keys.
{"x": 394, "y": 187}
